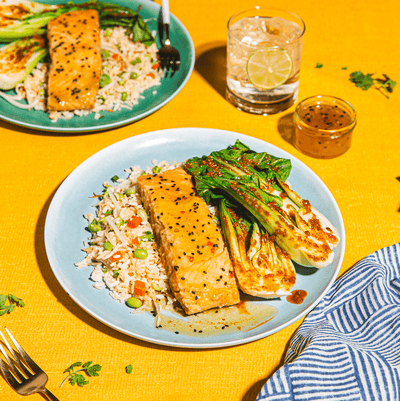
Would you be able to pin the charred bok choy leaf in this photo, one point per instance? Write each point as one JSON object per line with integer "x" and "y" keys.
{"x": 18, "y": 59}
{"x": 114, "y": 15}
{"x": 262, "y": 269}
{"x": 257, "y": 182}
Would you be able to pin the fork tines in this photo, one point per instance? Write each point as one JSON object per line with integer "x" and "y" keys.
{"x": 17, "y": 364}
{"x": 170, "y": 66}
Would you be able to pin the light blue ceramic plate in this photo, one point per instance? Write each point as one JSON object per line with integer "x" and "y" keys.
{"x": 65, "y": 231}
{"x": 168, "y": 89}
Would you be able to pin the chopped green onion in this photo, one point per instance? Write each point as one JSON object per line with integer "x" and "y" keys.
{"x": 136, "y": 61}
{"x": 108, "y": 246}
{"x": 122, "y": 82}
{"x": 119, "y": 222}
{"x": 104, "y": 80}
{"x": 115, "y": 273}
{"x": 124, "y": 96}
{"x": 120, "y": 196}
{"x": 108, "y": 32}
{"x": 105, "y": 54}
{"x": 133, "y": 75}
{"x": 115, "y": 178}
{"x": 130, "y": 191}
{"x": 108, "y": 212}
{"x": 147, "y": 237}
{"x": 41, "y": 93}
{"x": 94, "y": 226}
{"x": 156, "y": 169}
{"x": 104, "y": 270}
{"x": 142, "y": 214}
{"x": 102, "y": 220}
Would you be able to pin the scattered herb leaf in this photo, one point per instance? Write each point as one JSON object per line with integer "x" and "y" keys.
{"x": 8, "y": 303}
{"x": 366, "y": 81}
{"x": 344, "y": 68}
{"x": 129, "y": 369}
{"x": 77, "y": 378}
{"x": 319, "y": 65}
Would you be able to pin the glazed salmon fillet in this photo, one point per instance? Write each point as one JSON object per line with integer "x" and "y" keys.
{"x": 75, "y": 69}
{"x": 191, "y": 245}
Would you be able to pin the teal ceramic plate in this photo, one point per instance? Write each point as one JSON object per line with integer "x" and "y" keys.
{"x": 65, "y": 232}
{"x": 168, "y": 89}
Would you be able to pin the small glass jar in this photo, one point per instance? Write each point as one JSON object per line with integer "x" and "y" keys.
{"x": 323, "y": 126}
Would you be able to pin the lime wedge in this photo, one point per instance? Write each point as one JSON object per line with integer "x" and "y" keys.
{"x": 269, "y": 68}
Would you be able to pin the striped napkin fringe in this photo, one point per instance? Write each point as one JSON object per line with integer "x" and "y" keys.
{"x": 348, "y": 347}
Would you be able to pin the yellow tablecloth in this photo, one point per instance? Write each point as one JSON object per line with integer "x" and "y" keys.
{"x": 359, "y": 35}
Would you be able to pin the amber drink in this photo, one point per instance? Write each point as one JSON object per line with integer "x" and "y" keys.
{"x": 324, "y": 126}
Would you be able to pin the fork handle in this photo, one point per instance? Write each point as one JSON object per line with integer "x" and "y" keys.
{"x": 50, "y": 395}
{"x": 165, "y": 11}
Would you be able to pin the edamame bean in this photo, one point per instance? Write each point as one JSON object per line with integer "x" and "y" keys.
{"x": 108, "y": 246}
{"x": 133, "y": 302}
{"x": 141, "y": 253}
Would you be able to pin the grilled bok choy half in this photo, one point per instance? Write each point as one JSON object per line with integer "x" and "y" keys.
{"x": 257, "y": 181}
{"x": 22, "y": 18}
{"x": 262, "y": 269}
{"x": 18, "y": 59}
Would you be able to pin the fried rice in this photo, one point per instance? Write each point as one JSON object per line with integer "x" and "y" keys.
{"x": 128, "y": 69}
{"x": 114, "y": 240}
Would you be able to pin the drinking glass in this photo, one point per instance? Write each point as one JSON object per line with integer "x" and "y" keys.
{"x": 263, "y": 60}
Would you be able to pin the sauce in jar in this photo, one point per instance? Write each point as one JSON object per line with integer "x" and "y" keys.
{"x": 323, "y": 126}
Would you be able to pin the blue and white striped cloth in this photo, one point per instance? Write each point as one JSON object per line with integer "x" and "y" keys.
{"x": 348, "y": 347}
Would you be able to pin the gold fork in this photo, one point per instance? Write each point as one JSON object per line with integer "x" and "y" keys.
{"x": 22, "y": 373}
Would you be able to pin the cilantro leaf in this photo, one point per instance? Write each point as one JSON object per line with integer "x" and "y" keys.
{"x": 129, "y": 369}
{"x": 10, "y": 306}
{"x": 3, "y": 300}
{"x": 362, "y": 81}
{"x": 92, "y": 370}
{"x": 366, "y": 81}
{"x": 77, "y": 378}
{"x": 319, "y": 65}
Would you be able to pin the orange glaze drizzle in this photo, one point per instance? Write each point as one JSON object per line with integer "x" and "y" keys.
{"x": 297, "y": 297}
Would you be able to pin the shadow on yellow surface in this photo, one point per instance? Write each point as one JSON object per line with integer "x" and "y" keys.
{"x": 211, "y": 64}
{"x": 285, "y": 127}
{"x": 252, "y": 393}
